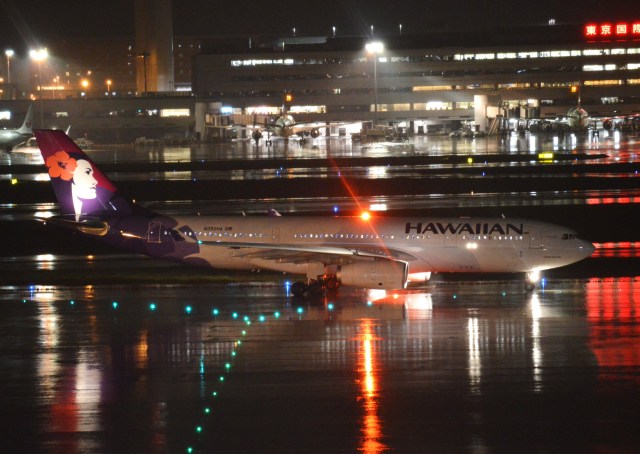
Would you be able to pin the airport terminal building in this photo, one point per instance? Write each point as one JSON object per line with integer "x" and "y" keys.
{"x": 431, "y": 82}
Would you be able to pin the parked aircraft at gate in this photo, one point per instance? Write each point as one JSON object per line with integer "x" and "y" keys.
{"x": 376, "y": 252}
{"x": 576, "y": 119}
{"x": 285, "y": 126}
{"x": 12, "y": 137}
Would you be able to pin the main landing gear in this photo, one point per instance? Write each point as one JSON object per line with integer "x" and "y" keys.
{"x": 257, "y": 135}
{"x": 315, "y": 286}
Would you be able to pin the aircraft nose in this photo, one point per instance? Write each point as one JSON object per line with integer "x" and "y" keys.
{"x": 586, "y": 249}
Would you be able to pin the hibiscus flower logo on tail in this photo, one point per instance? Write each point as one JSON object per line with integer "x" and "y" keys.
{"x": 61, "y": 165}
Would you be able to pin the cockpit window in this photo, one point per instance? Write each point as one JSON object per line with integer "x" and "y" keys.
{"x": 569, "y": 236}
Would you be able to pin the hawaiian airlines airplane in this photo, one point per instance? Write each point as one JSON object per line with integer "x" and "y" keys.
{"x": 371, "y": 252}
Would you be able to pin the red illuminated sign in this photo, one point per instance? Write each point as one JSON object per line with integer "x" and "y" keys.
{"x": 606, "y": 31}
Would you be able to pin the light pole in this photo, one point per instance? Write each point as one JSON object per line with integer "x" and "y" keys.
{"x": 85, "y": 85}
{"x": 9, "y": 53}
{"x": 108, "y": 81}
{"x": 56, "y": 81}
{"x": 144, "y": 56}
{"x": 39, "y": 56}
{"x": 374, "y": 48}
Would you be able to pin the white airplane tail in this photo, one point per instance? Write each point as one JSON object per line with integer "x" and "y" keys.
{"x": 27, "y": 123}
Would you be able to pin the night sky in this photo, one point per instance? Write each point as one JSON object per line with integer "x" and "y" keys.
{"x": 31, "y": 23}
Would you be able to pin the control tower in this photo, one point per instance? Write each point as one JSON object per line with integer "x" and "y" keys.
{"x": 154, "y": 46}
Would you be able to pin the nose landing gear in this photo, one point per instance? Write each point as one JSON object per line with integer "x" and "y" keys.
{"x": 532, "y": 278}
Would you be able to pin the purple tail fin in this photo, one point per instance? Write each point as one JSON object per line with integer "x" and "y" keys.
{"x": 80, "y": 187}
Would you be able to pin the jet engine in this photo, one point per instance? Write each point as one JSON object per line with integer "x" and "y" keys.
{"x": 384, "y": 274}
{"x": 314, "y": 133}
{"x": 256, "y": 135}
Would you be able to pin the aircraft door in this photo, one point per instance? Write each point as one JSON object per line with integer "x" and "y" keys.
{"x": 535, "y": 238}
{"x": 154, "y": 233}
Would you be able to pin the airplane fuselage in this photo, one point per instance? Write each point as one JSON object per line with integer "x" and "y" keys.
{"x": 370, "y": 252}
{"x": 10, "y": 138}
{"x": 294, "y": 244}
{"x": 578, "y": 119}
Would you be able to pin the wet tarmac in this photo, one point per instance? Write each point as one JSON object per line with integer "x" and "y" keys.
{"x": 458, "y": 367}
{"x": 109, "y": 352}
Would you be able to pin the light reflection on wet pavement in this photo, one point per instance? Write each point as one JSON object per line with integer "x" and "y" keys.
{"x": 455, "y": 367}
{"x": 615, "y": 144}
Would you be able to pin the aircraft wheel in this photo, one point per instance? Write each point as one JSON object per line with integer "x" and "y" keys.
{"x": 298, "y": 288}
{"x": 332, "y": 283}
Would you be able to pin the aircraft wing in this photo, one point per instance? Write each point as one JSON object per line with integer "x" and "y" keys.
{"x": 302, "y": 127}
{"x": 322, "y": 254}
